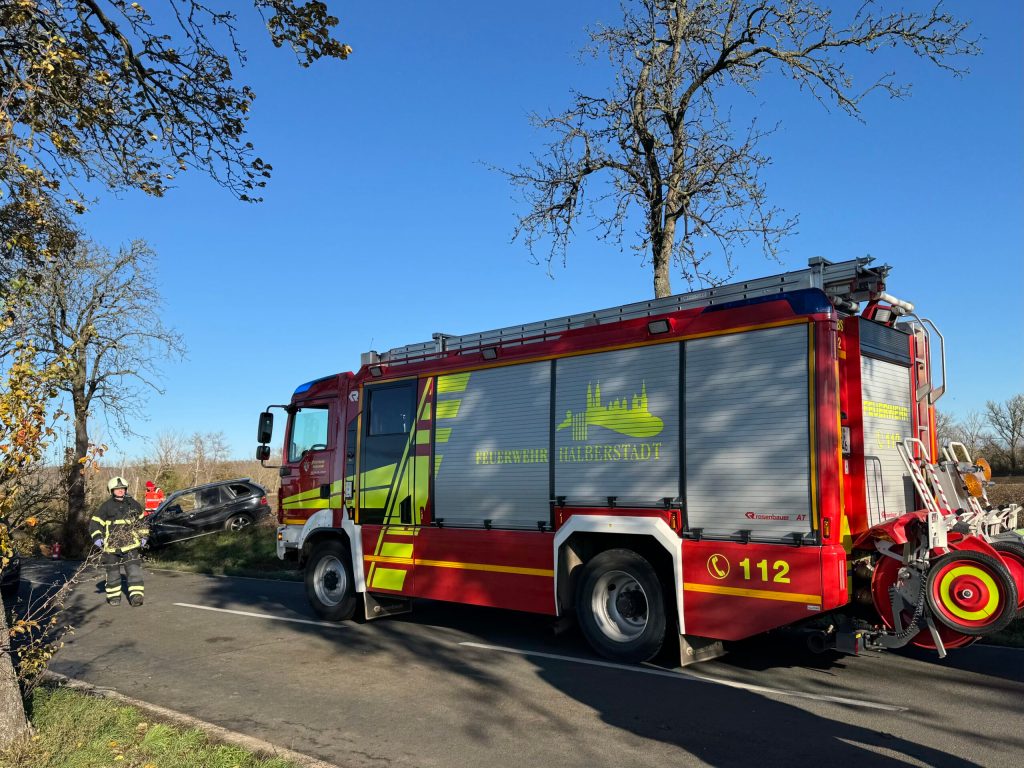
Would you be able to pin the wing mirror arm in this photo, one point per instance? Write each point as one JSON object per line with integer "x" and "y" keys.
{"x": 264, "y": 434}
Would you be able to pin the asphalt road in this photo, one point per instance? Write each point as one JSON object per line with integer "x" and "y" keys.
{"x": 456, "y": 686}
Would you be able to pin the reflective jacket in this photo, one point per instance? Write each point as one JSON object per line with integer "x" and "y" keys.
{"x": 119, "y": 524}
{"x": 153, "y": 500}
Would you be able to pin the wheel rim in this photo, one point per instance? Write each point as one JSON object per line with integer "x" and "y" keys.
{"x": 619, "y": 605}
{"x": 239, "y": 523}
{"x": 330, "y": 581}
{"x": 966, "y": 594}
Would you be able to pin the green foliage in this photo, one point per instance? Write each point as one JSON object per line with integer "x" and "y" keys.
{"x": 75, "y": 730}
{"x": 250, "y": 552}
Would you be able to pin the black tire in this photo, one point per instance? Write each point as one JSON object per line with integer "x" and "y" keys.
{"x": 329, "y": 584}
{"x": 620, "y": 606}
{"x": 971, "y": 593}
{"x": 236, "y": 523}
{"x": 1012, "y": 553}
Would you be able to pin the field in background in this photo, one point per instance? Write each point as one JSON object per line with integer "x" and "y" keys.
{"x": 1008, "y": 490}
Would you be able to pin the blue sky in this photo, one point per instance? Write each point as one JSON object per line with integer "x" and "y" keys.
{"x": 383, "y": 224}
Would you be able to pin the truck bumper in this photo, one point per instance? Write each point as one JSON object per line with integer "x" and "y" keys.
{"x": 288, "y": 541}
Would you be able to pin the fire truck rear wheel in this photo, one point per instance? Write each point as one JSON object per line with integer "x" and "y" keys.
{"x": 620, "y": 606}
{"x": 1012, "y": 555}
{"x": 329, "y": 583}
{"x": 971, "y": 592}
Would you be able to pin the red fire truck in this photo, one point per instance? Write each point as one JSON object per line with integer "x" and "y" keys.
{"x": 707, "y": 466}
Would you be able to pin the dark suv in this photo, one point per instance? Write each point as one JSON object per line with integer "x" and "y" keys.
{"x": 225, "y": 505}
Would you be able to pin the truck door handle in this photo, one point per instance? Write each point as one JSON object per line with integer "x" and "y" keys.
{"x": 325, "y": 491}
{"x": 405, "y": 511}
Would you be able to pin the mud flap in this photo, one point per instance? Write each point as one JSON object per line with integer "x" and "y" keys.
{"x": 693, "y": 649}
{"x": 378, "y": 606}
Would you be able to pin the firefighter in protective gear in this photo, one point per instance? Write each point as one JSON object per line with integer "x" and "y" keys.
{"x": 118, "y": 530}
{"x": 154, "y": 497}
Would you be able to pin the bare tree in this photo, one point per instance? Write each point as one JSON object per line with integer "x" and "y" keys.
{"x": 1007, "y": 423}
{"x": 660, "y": 152}
{"x": 101, "y": 313}
{"x": 208, "y": 453}
{"x": 946, "y": 428}
{"x": 972, "y": 431}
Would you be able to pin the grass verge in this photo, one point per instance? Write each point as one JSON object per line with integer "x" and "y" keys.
{"x": 76, "y": 730}
{"x": 251, "y": 552}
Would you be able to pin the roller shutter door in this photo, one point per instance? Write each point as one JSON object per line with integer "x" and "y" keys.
{"x": 886, "y": 417}
{"x": 616, "y": 427}
{"x": 491, "y": 444}
{"x": 746, "y": 429}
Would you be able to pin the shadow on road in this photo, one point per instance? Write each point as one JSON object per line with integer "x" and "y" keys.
{"x": 719, "y": 725}
{"x": 485, "y": 703}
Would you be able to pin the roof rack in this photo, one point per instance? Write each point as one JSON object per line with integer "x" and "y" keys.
{"x": 846, "y": 283}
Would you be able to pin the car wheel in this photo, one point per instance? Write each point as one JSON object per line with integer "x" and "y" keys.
{"x": 329, "y": 583}
{"x": 237, "y": 522}
{"x": 620, "y": 606}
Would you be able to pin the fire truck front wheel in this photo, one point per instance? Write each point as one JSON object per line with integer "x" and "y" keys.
{"x": 329, "y": 583}
{"x": 620, "y": 606}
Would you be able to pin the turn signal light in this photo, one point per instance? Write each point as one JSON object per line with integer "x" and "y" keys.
{"x": 986, "y": 469}
{"x": 973, "y": 485}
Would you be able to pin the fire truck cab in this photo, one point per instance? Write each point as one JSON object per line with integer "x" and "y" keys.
{"x": 704, "y": 467}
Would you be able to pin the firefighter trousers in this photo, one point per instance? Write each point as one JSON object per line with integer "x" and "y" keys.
{"x": 132, "y": 564}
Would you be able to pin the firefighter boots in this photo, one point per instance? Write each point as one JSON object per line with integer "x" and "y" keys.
{"x": 113, "y": 601}
{"x": 135, "y": 600}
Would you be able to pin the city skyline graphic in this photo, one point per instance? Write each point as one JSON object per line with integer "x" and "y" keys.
{"x": 626, "y": 417}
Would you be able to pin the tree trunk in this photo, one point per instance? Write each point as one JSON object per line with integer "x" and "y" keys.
{"x": 661, "y": 246}
{"x": 13, "y": 723}
{"x": 76, "y": 538}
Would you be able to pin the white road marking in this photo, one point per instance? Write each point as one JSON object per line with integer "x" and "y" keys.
{"x": 685, "y": 674}
{"x": 263, "y": 616}
{"x": 223, "y": 576}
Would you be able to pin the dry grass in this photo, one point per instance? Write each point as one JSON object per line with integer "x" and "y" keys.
{"x": 1008, "y": 490}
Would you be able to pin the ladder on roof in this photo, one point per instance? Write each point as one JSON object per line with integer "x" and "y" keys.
{"x": 845, "y": 283}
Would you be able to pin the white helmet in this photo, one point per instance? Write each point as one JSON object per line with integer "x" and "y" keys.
{"x": 116, "y": 482}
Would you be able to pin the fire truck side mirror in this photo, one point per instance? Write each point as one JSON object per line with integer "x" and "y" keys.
{"x": 266, "y": 428}
{"x": 262, "y": 452}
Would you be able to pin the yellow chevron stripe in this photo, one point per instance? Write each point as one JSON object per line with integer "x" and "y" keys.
{"x": 316, "y": 503}
{"x": 391, "y": 549}
{"x": 454, "y": 383}
{"x": 762, "y": 594}
{"x": 463, "y": 566}
{"x": 313, "y": 494}
{"x": 442, "y": 434}
{"x": 388, "y": 578}
{"x": 448, "y": 409}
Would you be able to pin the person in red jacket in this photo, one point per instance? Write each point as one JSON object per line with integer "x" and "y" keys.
{"x": 154, "y": 498}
